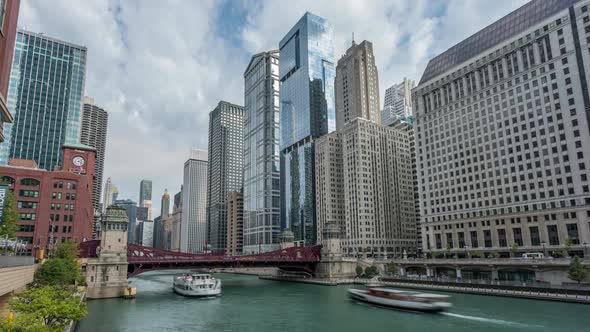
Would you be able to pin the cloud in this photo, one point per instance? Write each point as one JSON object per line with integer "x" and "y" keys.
{"x": 159, "y": 67}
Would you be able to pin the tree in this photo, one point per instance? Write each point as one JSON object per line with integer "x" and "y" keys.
{"x": 447, "y": 250}
{"x": 371, "y": 271}
{"x": 568, "y": 244}
{"x": 577, "y": 271}
{"x": 477, "y": 254}
{"x": 53, "y": 306}
{"x": 359, "y": 271}
{"x": 493, "y": 254}
{"x": 391, "y": 268}
{"x": 514, "y": 249}
{"x": 10, "y": 216}
{"x": 62, "y": 268}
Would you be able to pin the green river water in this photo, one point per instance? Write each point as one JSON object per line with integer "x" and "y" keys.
{"x": 251, "y": 304}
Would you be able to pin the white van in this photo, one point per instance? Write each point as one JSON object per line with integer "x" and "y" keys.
{"x": 533, "y": 255}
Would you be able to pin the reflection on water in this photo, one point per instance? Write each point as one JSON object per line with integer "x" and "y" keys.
{"x": 251, "y": 304}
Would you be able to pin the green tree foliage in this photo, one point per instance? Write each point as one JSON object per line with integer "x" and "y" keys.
{"x": 477, "y": 254}
{"x": 359, "y": 271}
{"x": 10, "y": 216}
{"x": 62, "y": 268}
{"x": 370, "y": 272}
{"x": 577, "y": 271}
{"x": 514, "y": 248}
{"x": 51, "y": 305}
{"x": 392, "y": 268}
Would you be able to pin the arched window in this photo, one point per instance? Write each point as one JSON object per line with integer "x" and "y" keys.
{"x": 29, "y": 182}
{"x": 7, "y": 180}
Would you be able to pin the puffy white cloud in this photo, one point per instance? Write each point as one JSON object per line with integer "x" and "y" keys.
{"x": 159, "y": 67}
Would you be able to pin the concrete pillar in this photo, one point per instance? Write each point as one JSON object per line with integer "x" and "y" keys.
{"x": 402, "y": 271}
{"x": 494, "y": 274}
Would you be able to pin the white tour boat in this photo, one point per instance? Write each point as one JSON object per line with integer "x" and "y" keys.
{"x": 400, "y": 299}
{"x": 203, "y": 285}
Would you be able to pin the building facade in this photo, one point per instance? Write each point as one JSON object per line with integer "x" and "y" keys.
{"x": 357, "y": 85}
{"x": 235, "y": 224}
{"x": 261, "y": 154}
{"x": 364, "y": 181}
{"x": 8, "y": 17}
{"x": 502, "y": 135}
{"x": 145, "y": 192}
{"x": 110, "y": 194}
{"x": 131, "y": 211}
{"x": 45, "y": 94}
{"x": 306, "y": 73}
{"x": 53, "y": 206}
{"x": 94, "y": 133}
{"x": 193, "y": 200}
{"x": 165, "y": 204}
{"x": 226, "y": 167}
{"x": 397, "y": 104}
{"x": 176, "y": 221}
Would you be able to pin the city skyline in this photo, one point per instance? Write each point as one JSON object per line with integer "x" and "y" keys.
{"x": 134, "y": 109}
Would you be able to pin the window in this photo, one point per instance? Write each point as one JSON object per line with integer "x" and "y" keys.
{"x": 535, "y": 239}
{"x": 28, "y": 193}
{"x": 487, "y": 238}
{"x": 474, "y": 241}
{"x": 517, "y": 234}
{"x": 502, "y": 238}
{"x": 2, "y": 14}
{"x": 29, "y": 182}
{"x": 572, "y": 233}
{"x": 553, "y": 236}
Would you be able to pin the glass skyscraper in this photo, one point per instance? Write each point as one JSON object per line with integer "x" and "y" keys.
{"x": 226, "y": 168}
{"x": 306, "y": 73}
{"x": 192, "y": 201}
{"x": 45, "y": 95}
{"x": 261, "y": 224}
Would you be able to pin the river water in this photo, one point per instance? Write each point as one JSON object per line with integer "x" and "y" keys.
{"x": 251, "y": 304}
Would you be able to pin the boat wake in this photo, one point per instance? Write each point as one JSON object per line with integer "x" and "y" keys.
{"x": 490, "y": 320}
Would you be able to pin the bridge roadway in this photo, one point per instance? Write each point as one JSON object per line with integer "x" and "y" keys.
{"x": 142, "y": 259}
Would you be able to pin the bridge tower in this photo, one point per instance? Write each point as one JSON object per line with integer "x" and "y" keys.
{"x": 106, "y": 274}
{"x": 333, "y": 264}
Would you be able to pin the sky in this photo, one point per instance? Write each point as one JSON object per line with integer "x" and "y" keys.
{"x": 159, "y": 67}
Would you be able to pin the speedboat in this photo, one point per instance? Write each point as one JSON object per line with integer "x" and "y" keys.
{"x": 401, "y": 299}
{"x": 200, "y": 285}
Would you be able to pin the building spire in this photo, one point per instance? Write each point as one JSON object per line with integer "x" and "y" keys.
{"x": 353, "y": 38}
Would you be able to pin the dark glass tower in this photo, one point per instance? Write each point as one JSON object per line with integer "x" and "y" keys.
{"x": 226, "y": 167}
{"x": 306, "y": 73}
{"x": 45, "y": 95}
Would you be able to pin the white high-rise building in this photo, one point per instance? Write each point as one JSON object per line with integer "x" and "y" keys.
{"x": 109, "y": 195}
{"x": 363, "y": 170}
{"x": 502, "y": 139}
{"x": 193, "y": 228}
{"x": 398, "y": 102}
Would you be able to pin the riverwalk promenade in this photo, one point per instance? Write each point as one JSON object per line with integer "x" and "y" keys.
{"x": 536, "y": 293}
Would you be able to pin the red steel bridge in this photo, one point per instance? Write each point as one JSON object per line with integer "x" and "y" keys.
{"x": 142, "y": 259}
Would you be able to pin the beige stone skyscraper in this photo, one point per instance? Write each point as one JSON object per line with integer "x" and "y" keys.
{"x": 357, "y": 85}
{"x": 363, "y": 169}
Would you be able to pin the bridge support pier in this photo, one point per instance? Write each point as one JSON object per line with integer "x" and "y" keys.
{"x": 106, "y": 272}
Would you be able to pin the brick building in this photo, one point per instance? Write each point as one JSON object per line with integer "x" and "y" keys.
{"x": 53, "y": 205}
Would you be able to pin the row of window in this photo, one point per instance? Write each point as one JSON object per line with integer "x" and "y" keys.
{"x": 57, "y": 217}
{"x": 55, "y": 229}
{"x": 60, "y": 185}
{"x": 67, "y": 196}
{"x": 67, "y": 207}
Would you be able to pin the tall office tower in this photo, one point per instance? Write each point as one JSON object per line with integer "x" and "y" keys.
{"x": 261, "y": 156}
{"x": 226, "y": 167}
{"x": 502, "y": 135}
{"x": 131, "y": 209}
{"x": 94, "y": 134}
{"x": 45, "y": 95}
{"x": 176, "y": 221}
{"x": 107, "y": 198}
{"x": 235, "y": 223}
{"x": 165, "y": 204}
{"x": 8, "y": 18}
{"x": 145, "y": 190}
{"x": 408, "y": 126}
{"x": 357, "y": 85}
{"x": 193, "y": 211}
{"x": 364, "y": 184}
{"x": 398, "y": 102}
{"x": 306, "y": 73}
